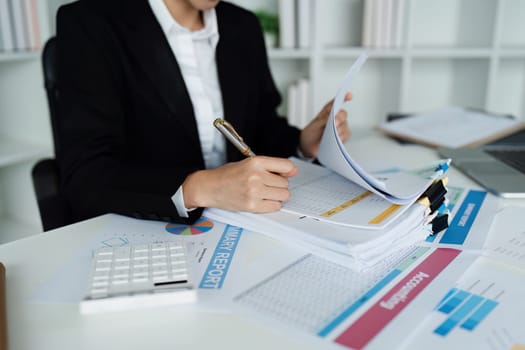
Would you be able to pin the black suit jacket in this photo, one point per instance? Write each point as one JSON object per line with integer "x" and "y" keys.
{"x": 127, "y": 124}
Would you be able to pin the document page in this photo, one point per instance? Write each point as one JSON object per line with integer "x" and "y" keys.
{"x": 507, "y": 240}
{"x": 322, "y": 194}
{"x": 482, "y": 310}
{"x": 397, "y": 187}
{"x": 332, "y": 303}
{"x": 207, "y": 242}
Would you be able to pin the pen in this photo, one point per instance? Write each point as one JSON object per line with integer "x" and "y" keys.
{"x": 229, "y": 132}
{"x": 3, "y": 310}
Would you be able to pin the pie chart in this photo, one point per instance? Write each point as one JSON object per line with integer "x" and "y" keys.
{"x": 200, "y": 226}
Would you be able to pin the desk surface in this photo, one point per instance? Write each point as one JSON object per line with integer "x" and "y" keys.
{"x": 30, "y": 262}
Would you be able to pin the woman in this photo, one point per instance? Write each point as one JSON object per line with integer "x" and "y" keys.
{"x": 140, "y": 84}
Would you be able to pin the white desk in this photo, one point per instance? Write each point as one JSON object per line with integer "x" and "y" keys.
{"x": 31, "y": 261}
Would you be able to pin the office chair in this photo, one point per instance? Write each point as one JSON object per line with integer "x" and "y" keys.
{"x": 52, "y": 205}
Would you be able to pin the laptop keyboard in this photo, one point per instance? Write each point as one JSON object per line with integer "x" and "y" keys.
{"x": 514, "y": 158}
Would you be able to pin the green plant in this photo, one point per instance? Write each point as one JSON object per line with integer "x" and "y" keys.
{"x": 269, "y": 21}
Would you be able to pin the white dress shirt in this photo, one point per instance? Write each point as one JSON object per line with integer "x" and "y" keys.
{"x": 195, "y": 53}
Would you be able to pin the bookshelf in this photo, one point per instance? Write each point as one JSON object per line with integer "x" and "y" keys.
{"x": 463, "y": 52}
{"x": 25, "y": 133}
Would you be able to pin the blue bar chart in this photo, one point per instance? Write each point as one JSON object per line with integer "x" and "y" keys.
{"x": 464, "y": 310}
{"x": 482, "y": 310}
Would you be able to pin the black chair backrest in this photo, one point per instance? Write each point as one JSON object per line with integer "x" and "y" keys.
{"x": 49, "y": 66}
{"x": 53, "y": 206}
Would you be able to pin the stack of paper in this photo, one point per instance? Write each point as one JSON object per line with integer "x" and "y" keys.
{"x": 335, "y": 218}
{"x": 346, "y": 212}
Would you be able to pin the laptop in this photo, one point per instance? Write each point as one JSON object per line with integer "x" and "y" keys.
{"x": 498, "y": 166}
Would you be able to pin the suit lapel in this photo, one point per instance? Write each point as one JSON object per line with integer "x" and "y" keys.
{"x": 149, "y": 46}
{"x": 232, "y": 77}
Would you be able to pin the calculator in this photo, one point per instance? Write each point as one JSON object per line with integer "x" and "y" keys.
{"x": 136, "y": 276}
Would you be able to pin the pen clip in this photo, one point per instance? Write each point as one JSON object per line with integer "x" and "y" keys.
{"x": 229, "y": 132}
{"x": 228, "y": 126}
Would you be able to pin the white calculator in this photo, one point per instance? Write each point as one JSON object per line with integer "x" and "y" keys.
{"x": 136, "y": 276}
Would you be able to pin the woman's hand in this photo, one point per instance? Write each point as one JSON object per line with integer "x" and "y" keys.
{"x": 312, "y": 133}
{"x": 257, "y": 184}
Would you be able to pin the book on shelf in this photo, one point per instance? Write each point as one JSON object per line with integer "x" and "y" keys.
{"x": 305, "y": 116}
{"x": 298, "y": 103}
{"x": 304, "y": 20}
{"x": 295, "y": 23}
{"x": 287, "y": 24}
{"x": 383, "y": 23}
{"x": 33, "y": 31}
{"x": 398, "y": 18}
{"x": 6, "y": 33}
{"x": 368, "y": 20}
{"x": 20, "y": 25}
{"x": 378, "y": 23}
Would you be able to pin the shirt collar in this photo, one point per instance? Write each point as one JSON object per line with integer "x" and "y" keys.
{"x": 170, "y": 25}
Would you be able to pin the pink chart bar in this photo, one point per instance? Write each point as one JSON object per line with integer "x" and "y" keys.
{"x": 362, "y": 331}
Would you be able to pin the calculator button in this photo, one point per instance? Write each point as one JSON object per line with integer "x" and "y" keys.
{"x": 175, "y": 246}
{"x": 140, "y": 248}
{"x": 104, "y": 258}
{"x": 119, "y": 281}
{"x": 158, "y": 254}
{"x": 159, "y": 270}
{"x": 160, "y": 278}
{"x": 105, "y": 251}
{"x": 141, "y": 271}
{"x": 103, "y": 266}
{"x": 141, "y": 255}
{"x": 178, "y": 269}
{"x": 103, "y": 283}
{"x": 122, "y": 253}
{"x": 158, "y": 246}
{"x": 119, "y": 265}
{"x": 104, "y": 276}
{"x": 178, "y": 263}
{"x": 99, "y": 292}
{"x": 180, "y": 277}
{"x": 140, "y": 263}
{"x": 122, "y": 250}
{"x": 121, "y": 274}
{"x": 159, "y": 261}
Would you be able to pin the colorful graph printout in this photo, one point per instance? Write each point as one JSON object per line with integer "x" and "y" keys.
{"x": 465, "y": 310}
{"x": 202, "y": 225}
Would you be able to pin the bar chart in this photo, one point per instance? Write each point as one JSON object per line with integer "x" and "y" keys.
{"x": 465, "y": 310}
{"x": 482, "y": 310}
